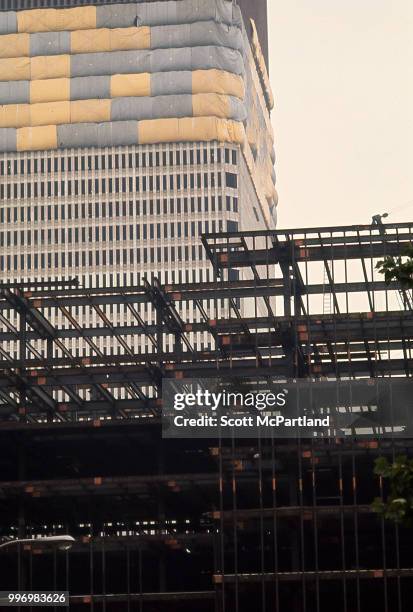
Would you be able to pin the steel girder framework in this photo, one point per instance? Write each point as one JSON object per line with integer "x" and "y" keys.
{"x": 221, "y": 525}
{"x": 304, "y": 304}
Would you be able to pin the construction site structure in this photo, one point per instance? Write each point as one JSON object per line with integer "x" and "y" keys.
{"x": 222, "y": 525}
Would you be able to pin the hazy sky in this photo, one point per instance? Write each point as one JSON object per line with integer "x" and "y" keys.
{"x": 342, "y": 75}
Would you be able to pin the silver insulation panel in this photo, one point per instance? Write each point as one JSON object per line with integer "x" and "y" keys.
{"x": 93, "y": 87}
{"x": 116, "y": 15}
{"x": 159, "y": 107}
{"x": 14, "y": 92}
{"x": 171, "y": 82}
{"x": 50, "y": 43}
{"x": 162, "y": 107}
{"x": 8, "y": 140}
{"x": 196, "y": 35}
{"x": 97, "y": 134}
{"x": 186, "y": 11}
{"x": 8, "y": 22}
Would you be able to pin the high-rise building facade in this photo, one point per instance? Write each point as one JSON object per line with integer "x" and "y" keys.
{"x": 126, "y": 131}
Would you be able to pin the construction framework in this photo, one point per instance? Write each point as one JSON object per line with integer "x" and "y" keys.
{"x": 223, "y": 525}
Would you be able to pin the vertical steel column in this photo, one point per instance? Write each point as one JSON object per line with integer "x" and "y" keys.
{"x": 22, "y": 358}
{"x": 21, "y": 519}
{"x": 161, "y": 519}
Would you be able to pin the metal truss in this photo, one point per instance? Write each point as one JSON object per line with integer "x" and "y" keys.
{"x": 262, "y": 316}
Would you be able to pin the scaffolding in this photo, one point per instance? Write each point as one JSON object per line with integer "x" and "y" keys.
{"x": 220, "y": 525}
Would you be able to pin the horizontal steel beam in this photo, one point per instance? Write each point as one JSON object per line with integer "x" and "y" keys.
{"x": 288, "y": 511}
{"x": 263, "y": 257}
{"x": 165, "y": 598}
{"x": 313, "y": 575}
{"x": 227, "y": 290}
{"x": 326, "y": 231}
{"x": 398, "y": 324}
{"x": 120, "y": 485}
{"x": 270, "y": 368}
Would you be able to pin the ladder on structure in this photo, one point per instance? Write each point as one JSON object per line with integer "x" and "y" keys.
{"x": 327, "y": 296}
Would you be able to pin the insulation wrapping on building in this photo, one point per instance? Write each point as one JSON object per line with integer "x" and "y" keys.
{"x": 119, "y": 39}
{"x": 122, "y": 86}
{"x": 119, "y": 63}
{"x": 138, "y": 73}
{"x": 122, "y": 62}
{"x": 121, "y": 109}
{"x": 118, "y": 133}
{"x": 120, "y": 16}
